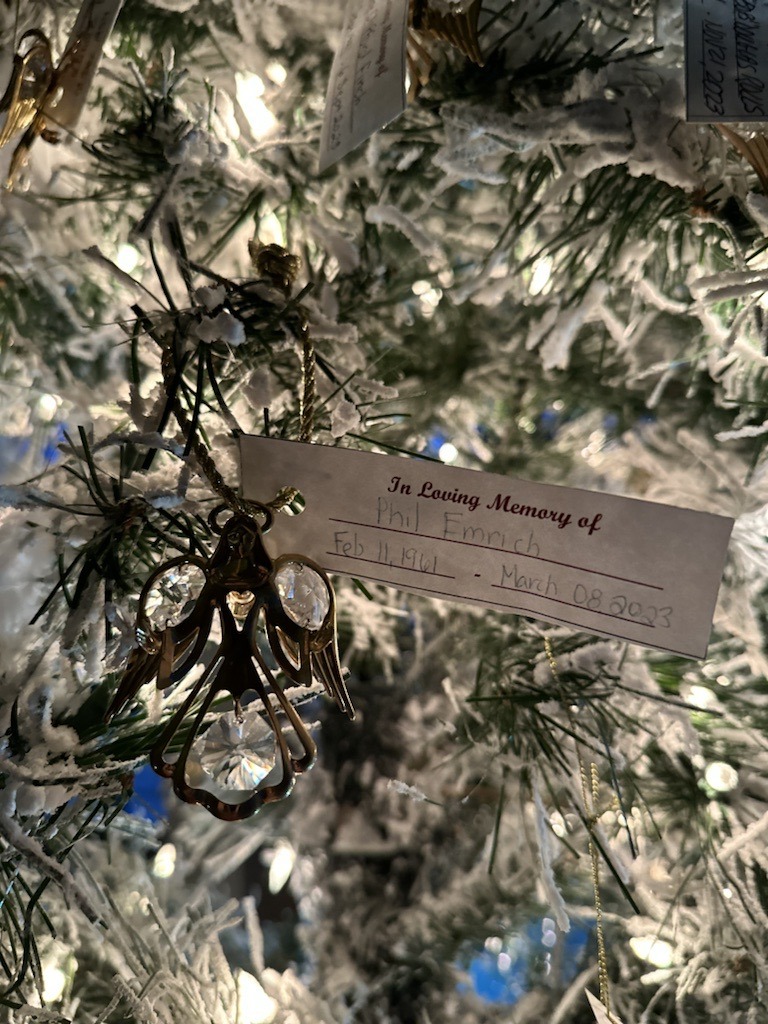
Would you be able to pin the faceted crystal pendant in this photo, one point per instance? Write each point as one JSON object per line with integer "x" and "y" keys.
{"x": 304, "y": 594}
{"x": 172, "y": 597}
{"x": 232, "y": 754}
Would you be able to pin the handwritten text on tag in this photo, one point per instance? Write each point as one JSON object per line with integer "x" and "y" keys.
{"x": 367, "y": 84}
{"x": 726, "y": 42}
{"x": 618, "y": 567}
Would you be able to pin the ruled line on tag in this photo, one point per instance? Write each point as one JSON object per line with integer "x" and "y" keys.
{"x": 620, "y": 567}
{"x": 489, "y": 547}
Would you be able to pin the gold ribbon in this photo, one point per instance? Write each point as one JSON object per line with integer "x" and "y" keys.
{"x": 590, "y": 792}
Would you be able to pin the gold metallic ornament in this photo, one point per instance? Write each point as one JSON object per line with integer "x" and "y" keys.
{"x": 31, "y": 86}
{"x": 276, "y": 264}
{"x": 754, "y": 151}
{"x": 248, "y": 607}
{"x": 457, "y": 27}
{"x": 43, "y": 98}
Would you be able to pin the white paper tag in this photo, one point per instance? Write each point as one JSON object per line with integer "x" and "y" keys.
{"x": 600, "y": 1012}
{"x": 80, "y": 60}
{"x": 618, "y": 567}
{"x": 367, "y": 84}
{"x": 726, "y": 66}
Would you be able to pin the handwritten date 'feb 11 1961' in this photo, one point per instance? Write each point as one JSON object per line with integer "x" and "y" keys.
{"x": 614, "y": 566}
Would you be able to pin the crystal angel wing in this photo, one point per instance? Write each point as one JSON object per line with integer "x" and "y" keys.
{"x": 252, "y": 753}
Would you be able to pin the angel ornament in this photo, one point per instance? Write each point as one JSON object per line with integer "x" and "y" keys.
{"x": 241, "y": 619}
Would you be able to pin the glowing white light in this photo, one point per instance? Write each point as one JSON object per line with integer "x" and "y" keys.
{"x": 558, "y": 824}
{"x": 654, "y": 951}
{"x": 281, "y": 867}
{"x": 250, "y": 89}
{"x": 448, "y": 452}
{"x": 127, "y": 258}
{"x": 723, "y": 681}
{"x": 494, "y": 944}
{"x": 430, "y": 300}
{"x": 47, "y": 406}
{"x": 721, "y": 777}
{"x": 429, "y": 296}
{"x": 248, "y": 86}
{"x": 254, "y": 1006}
{"x": 165, "y": 861}
{"x": 728, "y": 893}
{"x": 271, "y": 230}
{"x": 542, "y": 272}
{"x": 276, "y": 72}
{"x": 702, "y": 697}
{"x": 504, "y": 962}
{"x": 558, "y": 405}
{"x": 54, "y": 983}
{"x": 655, "y": 977}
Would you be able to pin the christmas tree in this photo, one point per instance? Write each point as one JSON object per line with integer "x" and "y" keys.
{"x": 538, "y": 270}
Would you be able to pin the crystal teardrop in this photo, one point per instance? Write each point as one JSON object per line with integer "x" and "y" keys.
{"x": 234, "y": 754}
{"x": 173, "y": 595}
{"x": 304, "y": 594}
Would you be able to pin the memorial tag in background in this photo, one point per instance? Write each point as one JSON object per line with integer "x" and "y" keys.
{"x": 617, "y": 567}
{"x": 726, "y": 71}
{"x": 366, "y": 89}
{"x": 600, "y": 1012}
{"x": 80, "y": 61}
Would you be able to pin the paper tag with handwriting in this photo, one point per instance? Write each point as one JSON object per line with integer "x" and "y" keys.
{"x": 367, "y": 84}
{"x": 726, "y": 42}
{"x": 618, "y": 567}
{"x": 600, "y": 1012}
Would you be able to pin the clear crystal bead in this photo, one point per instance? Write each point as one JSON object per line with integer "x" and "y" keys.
{"x": 173, "y": 596}
{"x": 234, "y": 755}
{"x": 304, "y": 594}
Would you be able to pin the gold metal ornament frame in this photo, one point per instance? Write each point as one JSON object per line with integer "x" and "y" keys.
{"x": 26, "y": 98}
{"x": 240, "y": 591}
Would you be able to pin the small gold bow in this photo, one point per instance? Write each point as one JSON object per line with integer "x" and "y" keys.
{"x": 276, "y": 264}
